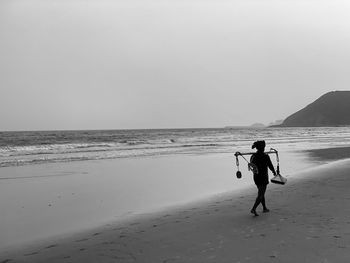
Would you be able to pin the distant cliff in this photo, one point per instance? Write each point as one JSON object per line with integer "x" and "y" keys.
{"x": 331, "y": 109}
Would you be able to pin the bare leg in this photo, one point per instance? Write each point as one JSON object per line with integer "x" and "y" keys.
{"x": 263, "y": 199}
{"x": 260, "y": 199}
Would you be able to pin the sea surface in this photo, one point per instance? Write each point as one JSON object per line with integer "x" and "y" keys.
{"x": 137, "y": 172}
{"x": 35, "y": 147}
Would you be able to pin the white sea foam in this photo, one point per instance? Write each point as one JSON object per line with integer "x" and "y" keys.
{"x": 20, "y": 148}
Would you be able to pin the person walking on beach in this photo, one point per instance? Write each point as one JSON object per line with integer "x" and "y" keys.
{"x": 261, "y": 161}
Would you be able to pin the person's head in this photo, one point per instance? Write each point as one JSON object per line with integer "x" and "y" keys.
{"x": 259, "y": 145}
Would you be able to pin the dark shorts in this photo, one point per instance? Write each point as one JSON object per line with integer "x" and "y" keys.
{"x": 261, "y": 179}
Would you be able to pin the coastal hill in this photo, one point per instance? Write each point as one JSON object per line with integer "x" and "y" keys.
{"x": 331, "y": 109}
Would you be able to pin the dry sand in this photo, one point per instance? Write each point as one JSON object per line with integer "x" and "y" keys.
{"x": 309, "y": 221}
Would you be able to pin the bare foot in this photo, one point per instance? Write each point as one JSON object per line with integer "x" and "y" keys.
{"x": 254, "y": 212}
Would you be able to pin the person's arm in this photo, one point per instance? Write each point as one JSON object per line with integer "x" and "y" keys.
{"x": 252, "y": 165}
{"x": 270, "y": 165}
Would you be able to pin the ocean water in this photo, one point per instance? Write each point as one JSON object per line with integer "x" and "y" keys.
{"x": 60, "y": 195}
{"x": 35, "y": 147}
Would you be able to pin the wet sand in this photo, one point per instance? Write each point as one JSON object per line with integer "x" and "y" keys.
{"x": 43, "y": 201}
{"x": 309, "y": 222}
{"x": 329, "y": 154}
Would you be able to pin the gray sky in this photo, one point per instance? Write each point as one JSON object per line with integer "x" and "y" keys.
{"x": 98, "y": 64}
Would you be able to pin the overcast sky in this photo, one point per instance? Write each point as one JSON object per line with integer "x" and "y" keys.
{"x": 98, "y": 64}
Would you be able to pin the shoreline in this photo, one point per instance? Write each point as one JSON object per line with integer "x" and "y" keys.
{"x": 43, "y": 201}
{"x": 308, "y": 222}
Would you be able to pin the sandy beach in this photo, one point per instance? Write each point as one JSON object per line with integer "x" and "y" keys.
{"x": 308, "y": 222}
